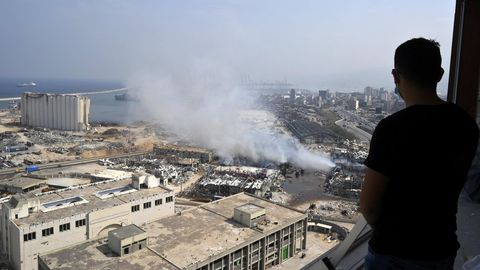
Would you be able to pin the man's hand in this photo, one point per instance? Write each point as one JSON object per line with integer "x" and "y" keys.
{"x": 373, "y": 189}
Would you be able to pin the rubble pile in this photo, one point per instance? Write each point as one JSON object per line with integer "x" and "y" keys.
{"x": 347, "y": 178}
{"x": 58, "y": 150}
{"x": 93, "y": 146}
{"x": 47, "y": 137}
{"x": 8, "y": 139}
{"x": 12, "y": 147}
{"x": 334, "y": 209}
{"x": 167, "y": 172}
{"x": 344, "y": 183}
{"x": 228, "y": 180}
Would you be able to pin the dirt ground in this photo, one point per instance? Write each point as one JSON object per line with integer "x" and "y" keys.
{"x": 117, "y": 140}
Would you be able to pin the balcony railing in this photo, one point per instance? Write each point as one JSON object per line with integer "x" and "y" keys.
{"x": 350, "y": 254}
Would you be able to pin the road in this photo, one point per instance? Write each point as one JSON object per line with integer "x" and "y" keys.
{"x": 359, "y": 133}
{"x": 80, "y": 93}
{"x": 72, "y": 162}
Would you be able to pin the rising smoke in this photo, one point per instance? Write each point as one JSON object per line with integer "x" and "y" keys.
{"x": 203, "y": 105}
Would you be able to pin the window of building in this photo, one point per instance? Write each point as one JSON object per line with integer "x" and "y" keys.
{"x": 237, "y": 264}
{"x": 217, "y": 264}
{"x": 158, "y": 202}
{"x": 169, "y": 199}
{"x": 147, "y": 205}
{"x": 255, "y": 246}
{"x": 237, "y": 254}
{"x": 285, "y": 253}
{"x": 47, "y": 231}
{"x": 80, "y": 223}
{"x": 64, "y": 227}
{"x": 135, "y": 208}
{"x": 29, "y": 236}
{"x": 271, "y": 238}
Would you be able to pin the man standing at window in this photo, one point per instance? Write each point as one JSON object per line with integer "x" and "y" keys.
{"x": 417, "y": 165}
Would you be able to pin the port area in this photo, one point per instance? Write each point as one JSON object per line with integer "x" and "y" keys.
{"x": 314, "y": 190}
{"x": 23, "y": 146}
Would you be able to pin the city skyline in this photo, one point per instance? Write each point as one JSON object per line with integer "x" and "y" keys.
{"x": 312, "y": 44}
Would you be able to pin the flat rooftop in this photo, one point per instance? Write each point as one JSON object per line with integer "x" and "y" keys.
{"x": 197, "y": 235}
{"x": 22, "y": 182}
{"x": 97, "y": 255}
{"x": 67, "y": 181}
{"x": 88, "y": 193}
{"x": 127, "y": 231}
{"x": 112, "y": 174}
{"x": 250, "y": 208}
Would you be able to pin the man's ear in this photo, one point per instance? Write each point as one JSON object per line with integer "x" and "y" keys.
{"x": 396, "y": 79}
{"x": 440, "y": 74}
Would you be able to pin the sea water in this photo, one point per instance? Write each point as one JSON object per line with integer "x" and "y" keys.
{"x": 103, "y": 107}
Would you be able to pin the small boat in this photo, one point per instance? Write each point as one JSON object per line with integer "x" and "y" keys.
{"x": 30, "y": 84}
{"x": 125, "y": 97}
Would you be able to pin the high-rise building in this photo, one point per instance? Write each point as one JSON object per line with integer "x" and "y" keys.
{"x": 323, "y": 94}
{"x": 368, "y": 91}
{"x": 292, "y": 96}
{"x": 353, "y": 104}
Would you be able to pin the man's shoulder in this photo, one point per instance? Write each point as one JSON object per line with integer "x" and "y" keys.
{"x": 393, "y": 119}
{"x": 416, "y": 110}
{"x": 448, "y": 114}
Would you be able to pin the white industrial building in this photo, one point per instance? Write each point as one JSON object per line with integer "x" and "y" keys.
{"x": 238, "y": 232}
{"x": 55, "y": 111}
{"x": 31, "y": 225}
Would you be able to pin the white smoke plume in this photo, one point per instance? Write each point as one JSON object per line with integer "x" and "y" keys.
{"x": 202, "y": 104}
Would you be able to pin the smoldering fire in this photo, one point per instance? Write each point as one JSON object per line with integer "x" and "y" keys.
{"x": 205, "y": 110}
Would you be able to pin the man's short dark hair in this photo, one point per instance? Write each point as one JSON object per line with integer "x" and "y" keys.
{"x": 419, "y": 60}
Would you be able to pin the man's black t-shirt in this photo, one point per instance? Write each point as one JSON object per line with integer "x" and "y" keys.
{"x": 425, "y": 151}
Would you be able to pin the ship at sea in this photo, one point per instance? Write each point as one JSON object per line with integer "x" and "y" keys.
{"x": 30, "y": 84}
{"x": 126, "y": 97}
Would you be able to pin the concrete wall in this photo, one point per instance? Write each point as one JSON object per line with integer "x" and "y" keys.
{"x": 154, "y": 212}
{"x": 104, "y": 218}
{"x": 262, "y": 252}
{"x": 31, "y": 249}
{"x": 134, "y": 243}
{"x": 14, "y": 250}
{"x": 62, "y": 112}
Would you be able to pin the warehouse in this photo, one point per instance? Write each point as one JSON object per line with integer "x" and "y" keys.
{"x": 55, "y": 111}
{"x": 239, "y": 232}
{"x": 34, "y": 224}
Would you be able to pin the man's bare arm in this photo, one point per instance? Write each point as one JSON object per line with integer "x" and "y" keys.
{"x": 373, "y": 189}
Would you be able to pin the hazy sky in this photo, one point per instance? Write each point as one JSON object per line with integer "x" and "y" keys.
{"x": 314, "y": 44}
